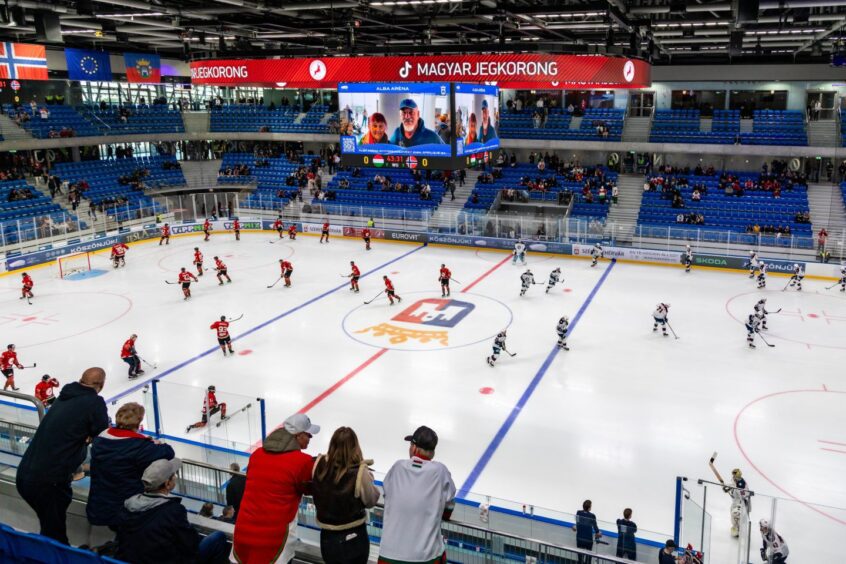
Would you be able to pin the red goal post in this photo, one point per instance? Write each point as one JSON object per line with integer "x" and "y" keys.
{"x": 70, "y": 264}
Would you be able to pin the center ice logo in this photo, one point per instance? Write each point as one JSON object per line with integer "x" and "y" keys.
{"x": 437, "y": 312}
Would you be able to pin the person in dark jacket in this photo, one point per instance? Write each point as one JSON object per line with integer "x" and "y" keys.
{"x": 586, "y": 530}
{"x": 626, "y": 529}
{"x": 153, "y": 527}
{"x": 235, "y": 487}
{"x": 412, "y": 131}
{"x": 119, "y": 456}
{"x": 58, "y": 448}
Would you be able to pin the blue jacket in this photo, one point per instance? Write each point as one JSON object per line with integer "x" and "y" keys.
{"x": 626, "y": 530}
{"x": 154, "y": 529}
{"x": 486, "y": 135}
{"x": 586, "y": 527}
{"x": 422, "y": 136}
{"x": 118, "y": 459}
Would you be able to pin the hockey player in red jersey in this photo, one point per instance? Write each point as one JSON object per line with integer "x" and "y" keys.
{"x": 44, "y": 390}
{"x": 287, "y": 269}
{"x": 185, "y": 278}
{"x": 207, "y": 228}
{"x": 165, "y": 235}
{"x": 365, "y": 234}
{"x": 26, "y": 288}
{"x": 119, "y": 254}
{"x": 236, "y": 227}
{"x": 444, "y": 276}
{"x": 210, "y": 407}
{"x": 325, "y": 231}
{"x": 129, "y": 355}
{"x": 198, "y": 261}
{"x": 354, "y": 275}
{"x": 8, "y": 363}
{"x": 389, "y": 290}
{"x": 223, "y": 338}
{"x": 279, "y": 226}
{"x": 292, "y": 232}
{"x": 221, "y": 271}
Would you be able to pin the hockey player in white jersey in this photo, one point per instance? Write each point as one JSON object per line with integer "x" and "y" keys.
{"x": 660, "y": 317}
{"x": 762, "y": 275}
{"x": 843, "y": 278}
{"x": 687, "y": 259}
{"x": 753, "y": 325}
{"x": 519, "y": 253}
{"x": 796, "y": 279}
{"x": 754, "y": 263}
{"x": 597, "y": 252}
{"x": 554, "y": 277}
{"x": 498, "y": 347}
{"x": 761, "y": 312}
{"x": 774, "y": 549}
{"x": 527, "y": 279}
{"x": 561, "y": 329}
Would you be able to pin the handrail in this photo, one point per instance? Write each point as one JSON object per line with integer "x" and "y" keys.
{"x": 39, "y": 407}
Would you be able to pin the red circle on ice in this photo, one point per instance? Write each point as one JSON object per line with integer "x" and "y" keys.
{"x": 486, "y": 390}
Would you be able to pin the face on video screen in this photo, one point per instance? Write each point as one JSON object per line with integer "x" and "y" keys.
{"x": 477, "y": 118}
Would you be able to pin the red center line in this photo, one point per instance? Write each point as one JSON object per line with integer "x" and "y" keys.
{"x": 485, "y": 275}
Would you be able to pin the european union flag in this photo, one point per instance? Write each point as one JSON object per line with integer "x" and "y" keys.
{"x": 88, "y": 65}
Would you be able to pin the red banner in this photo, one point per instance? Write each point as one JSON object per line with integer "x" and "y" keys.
{"x": 505, "y": 70}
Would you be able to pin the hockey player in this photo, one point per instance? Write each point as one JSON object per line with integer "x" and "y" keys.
{"x": 198, "y": 261}
{"x": 8, "y": 363}
{"x": 185, "y": 278}
{"x": 762, "y": 275}
{"x": 119, "y": 254}
{"x": 498, "y": 346}
{"x": 444, "y": 276}
{"x": 761, "y": 312}
{"x": 210, "y": 407}
{"x": 554, "y": 277}
{"x": 798, "y": 276}
{"x": 389, "y": 290}
{"x": 519, "y": 253}
{"x": 561, "y": 329}
{"x": 287, "y": 269}
{"x": 843, "y": 278}
{"x": 44, "y": 390}
{"x": 220, "y": 268}
{"x": 324, "y": 232}
{"x": 236, "y": 227}
{"x": 292, "y": 232}
{"x": 223, "y": 338}
{"x": 354, "y": 275}
{"x": 26, "y": 287}
{"x": 279, "y": 226}
{"x": 527, "y": 279}
{"x": 753, "y": 324}
{"x": 129, "y": 355}
{"x": 687, "y": 259}
{"x": 365, "y": 234}
{"x": 741, "y": 500}
{"x": 165, "y": 235}
{"x": 660, "y": 317}
{"x": 753, "y": 263}
{"x": 597, "y": 252}
{"x": 207, "y": 229}
{"x": 774, "y": 549}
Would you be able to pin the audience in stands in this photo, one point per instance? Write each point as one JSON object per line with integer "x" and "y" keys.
{"x": 227, "y": 515}
{"x": 58, "y": 449}
{"x": 207, "y": 510}
{"x": 19, "y": 194}
{"x": 235, "y": 487}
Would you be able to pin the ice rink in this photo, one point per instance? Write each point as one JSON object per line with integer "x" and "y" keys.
{"x": 615, "y": 419}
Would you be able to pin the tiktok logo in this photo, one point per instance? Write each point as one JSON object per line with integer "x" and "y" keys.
{"x": 406, "y": 68}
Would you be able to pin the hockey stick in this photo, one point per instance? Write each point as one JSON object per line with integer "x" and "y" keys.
{"x": 374, "y": 297}
{"x": 153, "y": 366}
{"x": 714, "y": 468}
{"x": 765, "y": 341}
{"x": 236, "y": 319}
{"x": 776, "y": 311}
{"x": 275, "y": 283}
{"x": 671, "y": 330}
{"x": 510, "y": 353}
{"x": 228, "y": 417}
{"x": 833, "y": 285}
{"x": 169, "y": 282}
{"x": 33, "y": 366}
{"x": 786, "y": 286}
{"x": 457, "y": 282}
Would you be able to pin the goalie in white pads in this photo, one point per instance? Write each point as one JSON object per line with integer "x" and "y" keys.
{"x": 762, "y": 275}
{"x": 761, "y": 312}
{"x": 774, "y": 546}
{"x": 519, "y": 253}
{"x": 660, "y": 317}
{"x": 498, "y": 347}
{"x": 798, "y": 276}
{"x": 687, "y": 259}
{"x": 753, "y": 325}
{"x": 740, "y": 500}
{"x": 753, "y": 263}
{"x": 527, "y": 279}
{"x": 561, "y": 329}
{"x": 597, "y": 252}
{"x": 554, "y": 277}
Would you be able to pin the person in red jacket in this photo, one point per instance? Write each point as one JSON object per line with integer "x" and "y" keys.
{"x": 287, "y": 269}
{"x": 279, "y": 226}
{"x": 325, "y": 231}
{"x": 210, "y": 407}
{"x": 220, "y": 268}
{"x": 354, "y": 275}
{"x": 292, "y": 232}
{"x": 365, "y": 234}
{"x": 8, "y": 363}
{"x": 165, "y": 235}
{"x": 119, "y": 254}
{"x": 185, "y": 278}
{"x": 389, "y": 290}
{"x": 444, "y": 276}
{"x": 44, "y": 390}
{"x": 236, "y": 227}
{"x": 278, "y": 474}
{"x": 207, "y": 228}
{"x": 198, "y": 261}
{"x": 129, "y": 355}
{"x": 26, "y": 288}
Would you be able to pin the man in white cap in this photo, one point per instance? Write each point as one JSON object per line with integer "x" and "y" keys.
{"x": 419, "y": 494}
{"x": 278, "y": 474}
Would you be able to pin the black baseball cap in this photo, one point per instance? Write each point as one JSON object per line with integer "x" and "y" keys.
{"x": 424, "y": 438}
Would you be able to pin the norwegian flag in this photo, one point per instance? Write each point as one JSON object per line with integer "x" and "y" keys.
{"x": 23, "y": 61}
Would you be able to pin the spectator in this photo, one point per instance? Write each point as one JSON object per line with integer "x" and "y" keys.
{"x": 586, "y": 530}
{"x": 227, "y": 516}
{"x": 153, "y": 526}
{"x": 667, "y": 554}
{"x": 343, "y": 488}
{"x": 58, "y": 448}
{"x": 821, "y": 239}
{"x": 207, "y": 510}
{"x": 235, "y": 487}
{"x": 626, "y": 529}
{"x": 419, "y": 494}
{"x": 278, "y": 475}
{"x": 119, "y": 456}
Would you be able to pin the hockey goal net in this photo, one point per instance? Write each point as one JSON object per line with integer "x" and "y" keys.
{"x": 71, "y": 264}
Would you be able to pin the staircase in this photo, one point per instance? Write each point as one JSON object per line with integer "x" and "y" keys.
{"x": 200, "y": 174}
{"x": 622, "y": 217}
{"x": 827, "y": 210}
{"x": 746, "y": 125}
{"x": 10, "y": 130}
{"x": 446, "y": 214}
{"x": 636, "y": 129}
{"x": 196, "y": 122}
{"x": 823, "y": 133}
{"x": 575, "y": 122}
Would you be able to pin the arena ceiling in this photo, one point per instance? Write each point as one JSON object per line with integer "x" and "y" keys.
{"x": 664, "y": 31}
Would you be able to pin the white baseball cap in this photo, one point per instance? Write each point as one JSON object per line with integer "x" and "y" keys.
{"x": 300, "y": 423}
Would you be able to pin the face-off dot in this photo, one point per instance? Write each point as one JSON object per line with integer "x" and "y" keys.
{"x": 28, "y": 318}
{"x": 486, "y": 391}
{"x": 245, "y": 352}
{"x": 566, "y": 290}
{"x": 813, "y": 315}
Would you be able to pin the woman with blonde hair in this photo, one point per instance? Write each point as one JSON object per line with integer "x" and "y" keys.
{"x": 472, "y": 136}
{"x": 342, "y": 487}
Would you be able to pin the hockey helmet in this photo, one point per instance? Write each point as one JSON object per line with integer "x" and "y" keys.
{"x": 45, "y": 377}
{"x": 212, "y": 388}
{"x": 751, "y": 252}
{"x": 796, "y": 265}
{"x": 762, "y": 300}
{"x": 558, "y": 269}
{"x": 564, "y": 318}
{"x": 764, "y": 524}
{"x": 736, "y": 474}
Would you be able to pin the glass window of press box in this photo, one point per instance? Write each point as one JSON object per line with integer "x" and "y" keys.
{"x": 747, "y": 101}
{"x": 706, "y": 101}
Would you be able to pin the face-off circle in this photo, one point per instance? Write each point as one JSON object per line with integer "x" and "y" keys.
{"x": 806, "y": 318}
{"x": 427, "y": 322}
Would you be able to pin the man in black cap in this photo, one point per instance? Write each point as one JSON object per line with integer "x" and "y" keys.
{"x": 487, "y": 131}
{"x": 412, "y": 131}
{"x": 419, "y": 494}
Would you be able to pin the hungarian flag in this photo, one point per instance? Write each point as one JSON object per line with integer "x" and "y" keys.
{"x": 378, "y": 160}
{"x": 143, "y": 68}
{"x": 23, "y": 61}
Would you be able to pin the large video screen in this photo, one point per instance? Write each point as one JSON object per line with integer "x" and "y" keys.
{"x": 395, "y": 119}
{"x": 476, "y": 118}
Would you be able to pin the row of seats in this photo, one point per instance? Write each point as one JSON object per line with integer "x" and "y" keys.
{"x": 769, "y": 127}
{"x": 558, "y": 125}
{"x": 357, "y": 194}
{"x": 59, "y": 117}
{"x": 22, "y": 218}
{"x": 18, "y": 546}
{"x": 270, "y": 180}
{"x": 252, "y": 118}
{"x": 233, "y": 159}
{"x": 157, "y": 118}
